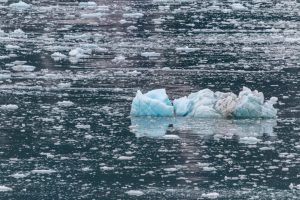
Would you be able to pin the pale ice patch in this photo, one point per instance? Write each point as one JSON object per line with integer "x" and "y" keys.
{"x": 88, "y": 4}
{"x": 43, "y": 171}
{"x": 133, "y": 15}
{"x": 19, "y": 175}
{"x": 171, "y": 137}
{"x": 249, "y": 140}
{"x": 20, "y": 6}
{"x": 135, "y": 193}
{"x": 212, "y": 195}
{"x": 126, "y": 157}
{"x": 18, "y": 33}
{"x": 119, "y": 59}
{"x": 65, "y": 103}
{"x": 58, "y": 56}
{"x": 150, "y": 54}
{"x": 79, "y": 53}
{"x": 9, "y": 107}
{"x": 23, "y": 68}
{"x": 5, "y": 188}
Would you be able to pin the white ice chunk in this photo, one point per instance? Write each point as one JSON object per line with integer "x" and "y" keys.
{"x": 88, "y": 4}
{"x": 18, "y": 33}
{"x": 58, "y": 56}
{"x": 249, "y": 140}
{"x": 43, "y": 171}
{"x": 135, "y": 193}
{"x": 5, "y": 188}
{"x": 20, "y": 6}
{"x": 65, "y": 103}
{"x": 212, "y": 195}
{"x": 154, "y": 103}
{"x": 9, "y": 107}
{"x": 23, "y": 68}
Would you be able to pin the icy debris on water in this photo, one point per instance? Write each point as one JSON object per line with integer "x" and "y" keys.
{"x": 65, "y": 103}
{"x": 18, "y": 33}
{"x": 88, "y": 4}
{"x": 204, "y": 104}
{"x": 20, "y": 6}
{"x": 43, "y": 171}
{"x": 135, "y": 193}
{"x": 58, "y": 56}
{"x": 212, "y": 195}
{"x": 23, "y": 68}
{"x": 9, "y": 107}
{"x": 249, "y": 140}
{"x": 5, "y": 188}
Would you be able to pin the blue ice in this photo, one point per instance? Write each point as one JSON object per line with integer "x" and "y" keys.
{"x": 205, "y": 104}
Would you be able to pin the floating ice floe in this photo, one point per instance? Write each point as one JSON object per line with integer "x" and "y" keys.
{"x": 135, "y": 193}
{"x": 58, "y": 56}
{"x": 205, "y": 104}
{"x": 9, "y": 107}
{"x": 20, "y": 6}
{"x": 23, "y": 68}
{"x": 5, "y": 188}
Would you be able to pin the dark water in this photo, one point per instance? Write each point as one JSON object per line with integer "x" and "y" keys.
{"x": 71, "y": 136}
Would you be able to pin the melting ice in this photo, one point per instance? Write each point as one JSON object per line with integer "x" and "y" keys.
{"x": 205, "y": 104}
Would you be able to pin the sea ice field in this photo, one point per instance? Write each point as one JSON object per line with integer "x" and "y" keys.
{"x": 70, "y": 70}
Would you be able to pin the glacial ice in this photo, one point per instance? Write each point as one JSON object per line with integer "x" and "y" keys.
{"x": 154, "y": 103}
{"x": 205, "y": 104}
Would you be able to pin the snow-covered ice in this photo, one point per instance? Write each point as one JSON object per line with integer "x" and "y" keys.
{"x": 205, "y": 104}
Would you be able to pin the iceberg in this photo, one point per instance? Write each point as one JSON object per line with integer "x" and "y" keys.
{"x": 205, "y": 104}
{"x": 155, "y": 103}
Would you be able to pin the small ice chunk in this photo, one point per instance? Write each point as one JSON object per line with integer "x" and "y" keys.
{"x": 23, "y": 68}
{"x": 9, "y": 107}
{"x": 65, "y": 103}
{"x": 238, "y": 6}
{"x": 249, "y": 140}
{"x": 18, "y": 33}
{"x": 133, "y": 15}
{"x": 154, "y": 103}
{"x": 58, "y": 56}
{"x": 119, "y": 59}
{"x": 83, "y": 126}
{"x": 171, "y": 137}
{"x": 88, "y": 4}
{"x": 212, "y": 195}
{"x": 43, "y": 171}
{"x": 150, "y": 54}
{"x": 19, "y": 175}
{"x": 5, "y": 188}
{"x": 20, "y": 6}
{"x": 126, "y": 157}
{"x": 135, "y": 193}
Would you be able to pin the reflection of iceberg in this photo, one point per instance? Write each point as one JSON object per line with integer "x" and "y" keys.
{"x": 205, "y": 104}
{"x": 150, "y": 126}
{"x": 157, "y": 127}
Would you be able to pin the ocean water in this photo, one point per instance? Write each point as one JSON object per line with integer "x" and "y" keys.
{"x": 65, "y": 129}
